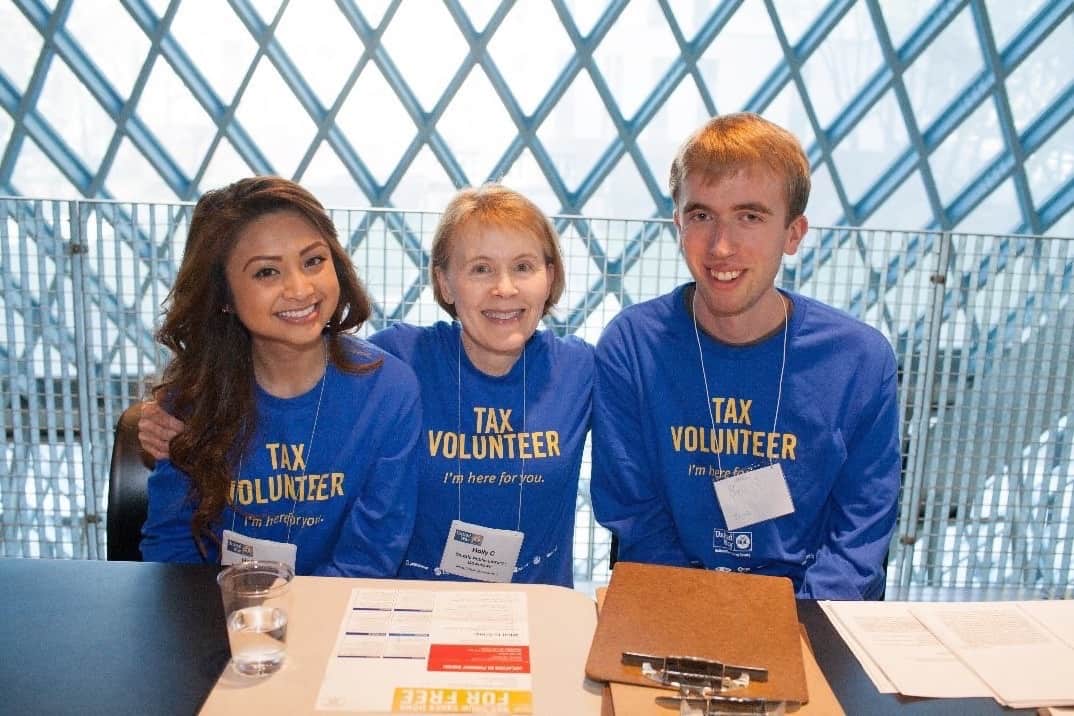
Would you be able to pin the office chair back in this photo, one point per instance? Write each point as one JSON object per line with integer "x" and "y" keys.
{"x": 128, "y": 497}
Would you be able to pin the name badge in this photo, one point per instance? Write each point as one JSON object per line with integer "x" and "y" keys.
{"x": 236, "y": 549}
{"x": 754, "y": 496}
{"x": 481, "y": 553}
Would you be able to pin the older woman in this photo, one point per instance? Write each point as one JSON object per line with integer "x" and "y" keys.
{"x": 506, "y": 406}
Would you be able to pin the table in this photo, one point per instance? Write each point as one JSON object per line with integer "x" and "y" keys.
{"x": 561, "y": 625}
{"x": 93, "y": 637}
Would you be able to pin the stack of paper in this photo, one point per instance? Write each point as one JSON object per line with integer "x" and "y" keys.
{"x": 1020, "y": 653}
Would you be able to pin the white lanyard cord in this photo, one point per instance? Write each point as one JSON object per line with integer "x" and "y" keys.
{"x": 309, "y": 451}
{"x": 705, "y": 378}
{"x": 458, "y": 429}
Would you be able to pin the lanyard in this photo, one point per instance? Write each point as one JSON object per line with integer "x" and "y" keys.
{"x": 705, "y": 378}
{"x": 458, "y": 427}
{"x": 309, "y": 451}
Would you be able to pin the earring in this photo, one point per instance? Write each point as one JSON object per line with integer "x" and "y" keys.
{"x": 225, "y": 309}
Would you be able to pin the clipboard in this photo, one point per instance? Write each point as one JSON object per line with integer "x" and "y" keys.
{"x": 726, "y": 617}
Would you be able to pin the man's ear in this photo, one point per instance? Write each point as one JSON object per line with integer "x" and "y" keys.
{"x": 795, "y": 233}
{"x": 678, "y": 224}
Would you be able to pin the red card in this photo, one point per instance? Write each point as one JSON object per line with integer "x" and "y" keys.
{"x": 479, "y": 657}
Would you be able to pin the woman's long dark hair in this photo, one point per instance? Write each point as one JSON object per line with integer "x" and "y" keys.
{"x": 209, "y": 383}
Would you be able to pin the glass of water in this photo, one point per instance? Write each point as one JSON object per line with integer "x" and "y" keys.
{"x": 257, "y": 600}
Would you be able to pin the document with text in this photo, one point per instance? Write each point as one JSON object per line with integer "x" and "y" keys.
{"x": 1021, "y": 658}
{"x": 1020, "y": 653}
{"x": 444, "y": 652}
{"x": 897, "y": 644}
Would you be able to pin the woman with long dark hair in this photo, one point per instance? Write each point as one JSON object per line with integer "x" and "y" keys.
{"x": 298, "y": 438}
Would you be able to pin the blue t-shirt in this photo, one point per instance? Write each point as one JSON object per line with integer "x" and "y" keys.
{"x": 344, "y": 493}
{"x": 499, "y": 451}
{"x": 656, "y": 454}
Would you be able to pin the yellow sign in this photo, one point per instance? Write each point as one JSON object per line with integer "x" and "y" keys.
{"x": 462, "y": 701}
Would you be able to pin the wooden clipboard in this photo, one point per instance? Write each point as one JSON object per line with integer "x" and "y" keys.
{"x": 743, "y": 619}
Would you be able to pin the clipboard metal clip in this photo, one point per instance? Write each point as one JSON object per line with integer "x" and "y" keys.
{"x": 694, "y": 675}
{"x": 703, "y": 684}
{"x": 724, "y": 706}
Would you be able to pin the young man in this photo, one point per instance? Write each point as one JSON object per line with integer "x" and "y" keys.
{"x": 737, "y": 426}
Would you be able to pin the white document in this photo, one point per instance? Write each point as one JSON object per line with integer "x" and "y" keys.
{"x": 907, "y": 653}
{"x": 1055, "y": 615}
{"x": 444, "y": 652}
{"x": 872, "y": 670}
{"x": 1022, "y": 662}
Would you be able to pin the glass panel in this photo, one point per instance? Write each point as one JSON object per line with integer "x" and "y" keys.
{"x": 36, "y": 175}
{"x": 225, "y": 167}
{"x": 111, "y": 39}
{"x": 20, "y": 48}
{"x": 6, "y": 123}
{"x": 476, "y": 127}
{"x": 997, "y": 214}
{"x": 221, "y": 50}
{"x": 1051, "y": 166}
{"x": 1007, "y": 18}
{"x": 622, "y": 194}
{"x": 380, "y": 135}
{"x": 479, "y": 12}
{"x": 797, "y": 16}
{"x": 87, "y": 131}
{"x": 635, "y": 54}
{"x": 944, "y": 69}
{"x": 906, "y": 208}
{"x": 275, "y": 120}
{"x": 371, "y": 10}
{"x": 740, "y": 57}
{"x": 691, "y": 15}
{"x": 133, "y": 176}
{"x": 322, "y": 44}
{"x": 585, "y": 13}
{"x": 903, "y": 16}
{"x": 823, "y": 208}
{"x": 425, "y": 186}
{"x": 526, "y": 176}
{"x": 424, "y": 43}
{"x": 787, "y": 111}
{"x": 837, "y": 71}
{"x": 1032, "y": 87}
{"x": 963, "y": 154}
{"x": 330, "y": 181}
{"x": 177, "y": 120}
{"x": 1063, "y": 227}
{"x": 577, "y": 131}
{"x": 682, "y": 113}
{"x": 267, "y": 9}
{"x": 530, "y": 30}
{"x": 871, "y": 147}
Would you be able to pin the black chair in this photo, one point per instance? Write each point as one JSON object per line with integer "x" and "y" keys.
{"x": 127, "y": 494}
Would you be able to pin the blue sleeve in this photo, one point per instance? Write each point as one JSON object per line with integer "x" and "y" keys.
{"x": 864, "y": 502}
{"x": 166, "y": 535}
{"x": 375, "y": 535}
{"x": 626, "y": 497}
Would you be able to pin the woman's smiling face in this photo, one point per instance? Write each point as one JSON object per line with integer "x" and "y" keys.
{"x": 283, "y": 281}
{"x": 498, "y": 280}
